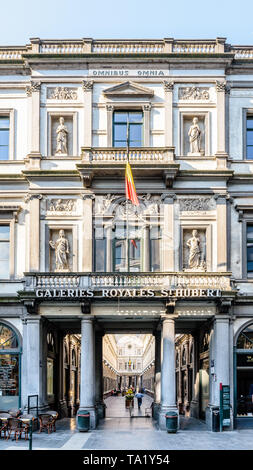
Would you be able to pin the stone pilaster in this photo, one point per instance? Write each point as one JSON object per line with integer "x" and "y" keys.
{"x": 34, "y": 232}
{"x": 87, "y": 231}
{"x": 168, "y": 110}
{"x": 87, "y": 86}
{"x": 33, "y": 93}
{"x": 221, "y": 213}
{"x": 168, "y": 233}
{"x": 109, "y": 110}
{"x": 146, "y": 120}
{"x": 221, "y": 155}
{"x": 32, "y": 362}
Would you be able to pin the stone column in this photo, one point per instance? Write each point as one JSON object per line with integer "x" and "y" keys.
{"x": 32, "y": 361}
{"x": 146, "y": 110}
{"x": 87, "y": 101}
{"x": 168, "y": 382}
{"x": 33, "y": 92}
{"x": 221, "y": 212}
{"x": 99, "y": 374}
{"x": 87, "y": 379}
{"x": 34, "y": 232}
{"x": 87, "y": 231}
{"x": 168, "y": 233}
{"x": 168, "y": 110}
{"x": 157, "y": 391}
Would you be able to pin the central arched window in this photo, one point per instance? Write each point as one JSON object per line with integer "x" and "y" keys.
{"x": 10, "y": 353}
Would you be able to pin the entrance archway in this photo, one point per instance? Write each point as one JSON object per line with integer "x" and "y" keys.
{"x": 244, "y": 373}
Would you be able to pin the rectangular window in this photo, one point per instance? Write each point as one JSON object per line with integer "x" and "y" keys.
{"x": 127, "y": 253}
{"x": 4, "y": 137}
{"x": 250, "y": 248}
{"x": 249, "y": 138}
{"x": 155, "y": 249}
{"x": 123, "y": 120}
{"x": 4, "y": 251}
{"x": 100, "y": 250}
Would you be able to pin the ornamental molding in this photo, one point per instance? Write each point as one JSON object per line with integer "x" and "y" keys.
{"x": 196, "y": 204}
{"x": 87, "y": 85}
{"x": 130, "y": 89}
{"x": 61, "y": 93}
{"x": 193, "y": 93}
{"x": 28, "y": 197}
{"x": 112, "y": 205}
{"x": 33, "y": 87}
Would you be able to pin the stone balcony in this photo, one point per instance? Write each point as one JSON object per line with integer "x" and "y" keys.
{"x": 155, "y": 281}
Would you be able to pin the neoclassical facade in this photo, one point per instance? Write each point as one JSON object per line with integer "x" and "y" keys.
{"x": 78, "y": 262}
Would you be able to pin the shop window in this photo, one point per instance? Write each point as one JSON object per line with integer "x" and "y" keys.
{"x": 9, "y": 368}
{"x": 127, "y": 125}
{"x": 4, "y": 137}
{"x": 244, "y": 363}
{"x": 249, "y": 138}
{"x": 50, "y": 376}
{"x": 4, "y": 251}
{"x": 250, "y": 248}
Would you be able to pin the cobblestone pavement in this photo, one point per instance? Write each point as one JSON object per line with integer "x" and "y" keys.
{"x": 118, "y": 431}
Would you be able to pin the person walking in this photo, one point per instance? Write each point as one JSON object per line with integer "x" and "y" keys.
{"x": 139, "y": 399}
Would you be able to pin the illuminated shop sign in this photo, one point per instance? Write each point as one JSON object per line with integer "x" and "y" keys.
{"x": 126, "y": 293}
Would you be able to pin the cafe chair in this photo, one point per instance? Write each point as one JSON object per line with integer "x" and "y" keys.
{"x": 46, "y": 422}
{"x": 3, "y": 428}
{"x": 14, "y": 427}
{"x": 54, "y": 415}
{"x": 14, "y": 412}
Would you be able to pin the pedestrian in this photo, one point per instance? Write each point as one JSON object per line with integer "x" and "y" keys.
{"x": 139, "y": 399}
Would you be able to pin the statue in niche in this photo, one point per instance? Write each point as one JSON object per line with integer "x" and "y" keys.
{"x": 61, "y": 138}
{"x": 194, "y": 259}
{"x": 194, "y": 134}
{"x": 61, "y": 247}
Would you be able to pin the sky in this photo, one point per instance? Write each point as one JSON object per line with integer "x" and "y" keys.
{"x": 21, "y": 20}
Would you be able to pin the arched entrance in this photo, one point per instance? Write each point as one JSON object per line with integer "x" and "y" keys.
{"x": 244, "y": 373}
{"x": 10, "y": 368}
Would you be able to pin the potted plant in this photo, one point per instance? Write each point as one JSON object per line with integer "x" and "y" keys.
{"x": 129, "y": 398}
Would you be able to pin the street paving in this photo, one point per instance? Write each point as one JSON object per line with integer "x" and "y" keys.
{"x": 120, "y": 432}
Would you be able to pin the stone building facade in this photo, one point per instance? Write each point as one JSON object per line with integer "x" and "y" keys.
{"x": 77, "y": 259}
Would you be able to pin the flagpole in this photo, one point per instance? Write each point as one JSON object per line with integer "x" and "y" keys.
{"x": 127, "y": 227}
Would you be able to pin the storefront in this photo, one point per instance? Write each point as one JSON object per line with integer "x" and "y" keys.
{"x": 244, "y": 373}
{"x": 10, "y": 368}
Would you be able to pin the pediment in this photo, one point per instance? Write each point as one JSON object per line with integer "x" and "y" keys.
{"x": 129, "y": 89}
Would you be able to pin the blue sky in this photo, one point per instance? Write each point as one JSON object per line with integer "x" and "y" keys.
{"x": 55, "y": 19}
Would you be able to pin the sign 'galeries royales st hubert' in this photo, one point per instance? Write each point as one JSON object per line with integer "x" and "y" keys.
{"x": 79, "y": 120}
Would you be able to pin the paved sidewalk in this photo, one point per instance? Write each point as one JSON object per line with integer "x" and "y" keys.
{"x": 120, "y": 432}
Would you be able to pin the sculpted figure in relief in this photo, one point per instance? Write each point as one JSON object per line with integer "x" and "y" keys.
{"x": 194, "y": 253}
{"x": 61, "y": 138}
{"x": 61, "y": 247}
{"x": 194, "y": 134}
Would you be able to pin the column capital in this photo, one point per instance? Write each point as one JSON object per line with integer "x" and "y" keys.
{"x": 168, "y": 198}
{"x": 33, "y": 87}
{"x": 109, "y": 108}
{"x": 147, "y": 107}
{"x": 168, "y": 86}
{"x": 221, "y": 198}
{"x": 222, "y": 86}
{"x": 87, "y": 85}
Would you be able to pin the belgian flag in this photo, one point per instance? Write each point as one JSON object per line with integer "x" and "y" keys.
{"x": 129, "y": 186}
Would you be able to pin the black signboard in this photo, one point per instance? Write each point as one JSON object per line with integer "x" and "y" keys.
{"x": 245, "y": 360}
{"x": 224, "y": 406}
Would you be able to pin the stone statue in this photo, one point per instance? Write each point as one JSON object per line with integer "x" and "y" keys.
{"x": 194, "y": 134}
{"x": 61, "y": 138}
{"x": 61, "y": 247}
{"x": 194, "y": 253}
